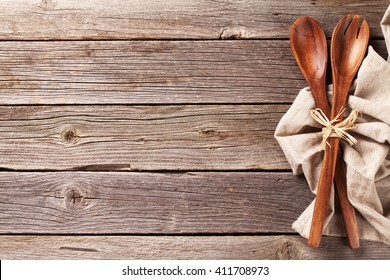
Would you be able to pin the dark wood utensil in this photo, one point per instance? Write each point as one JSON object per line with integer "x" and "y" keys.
{"x": 308, "y": 43}
{"x": 348, "y": 47}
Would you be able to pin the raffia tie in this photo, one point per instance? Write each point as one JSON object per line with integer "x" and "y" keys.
{"x": 339, "y": 130}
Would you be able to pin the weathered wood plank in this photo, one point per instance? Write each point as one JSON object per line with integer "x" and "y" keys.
{"x": 144, "y": 203}
{"x": 150, "y": 72}
{"x": 162, "y": 19}
{"x": 183, "y": 247}
{"x": 196, "y": 137}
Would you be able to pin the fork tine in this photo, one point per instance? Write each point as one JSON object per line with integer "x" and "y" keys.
{"x": 346, "y": 22}
{"x": 353, "y": 27}
{"x": 363, "y": 30}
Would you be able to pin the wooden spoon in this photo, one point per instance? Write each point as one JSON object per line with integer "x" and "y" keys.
{"x": 348, "y": 47}
{"x": 308, "y": 43}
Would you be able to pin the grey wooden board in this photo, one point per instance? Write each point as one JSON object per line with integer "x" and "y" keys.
{"x": 167, "y": 19}
{"x": 145, "y": 203}
{"x": 150, "y": 72}
{"x": 177, "y": 137}
{"x": 184, "y": 247}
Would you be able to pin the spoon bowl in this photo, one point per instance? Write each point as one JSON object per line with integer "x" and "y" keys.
{"x": 309, "y": 46}
{"x": 308, "y": 43}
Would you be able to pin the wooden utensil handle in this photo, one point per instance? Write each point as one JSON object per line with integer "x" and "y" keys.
{"x": 347, "y": 210}
{"x": 323, "y": 192}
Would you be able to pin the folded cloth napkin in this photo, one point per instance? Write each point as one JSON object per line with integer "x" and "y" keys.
{"x": 367, "y": 162}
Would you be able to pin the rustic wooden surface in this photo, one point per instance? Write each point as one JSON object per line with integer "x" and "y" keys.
{"x": 146, "y": 203}
{"x": 172, "y": 19}
{"x": 196, "y": 137}
{"x": 184, "y": 247}
{"x": 133, "y": 125}
{"x": 150, "y": 72}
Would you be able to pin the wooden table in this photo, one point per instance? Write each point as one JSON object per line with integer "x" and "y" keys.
{"x": 144, "y": 129}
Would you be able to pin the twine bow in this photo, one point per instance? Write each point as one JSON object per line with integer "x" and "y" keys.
{"x": 339, "y": 129}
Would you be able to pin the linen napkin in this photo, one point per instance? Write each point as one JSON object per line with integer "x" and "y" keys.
{"x": 367, "y": 162}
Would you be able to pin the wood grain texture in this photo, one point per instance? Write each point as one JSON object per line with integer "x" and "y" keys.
{"x": 183, "y": 247}
{"x": 145, "y": 203}
{"x": 150, "y": 72}
{"x": 196, "y": 137}
{"x": 162, "y": 19}
{"x": 139, "y": 52}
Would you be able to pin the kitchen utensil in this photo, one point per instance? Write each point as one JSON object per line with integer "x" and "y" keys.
{"x": 308, "y": 43}
{"x": 348, "y": 47}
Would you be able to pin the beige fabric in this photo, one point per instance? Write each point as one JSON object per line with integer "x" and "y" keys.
{"x": 368, "y": 162}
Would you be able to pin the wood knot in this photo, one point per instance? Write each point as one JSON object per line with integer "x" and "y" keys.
{"x": 213, "y": 133}
{"x": 74, "y": 197}
{"x": 207, "y": 132}
{"x": 69, "y": 136}
{"x": 288, "y": 252}
{"x": 47, "y": 5}
{"x": 234, "y": 33}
